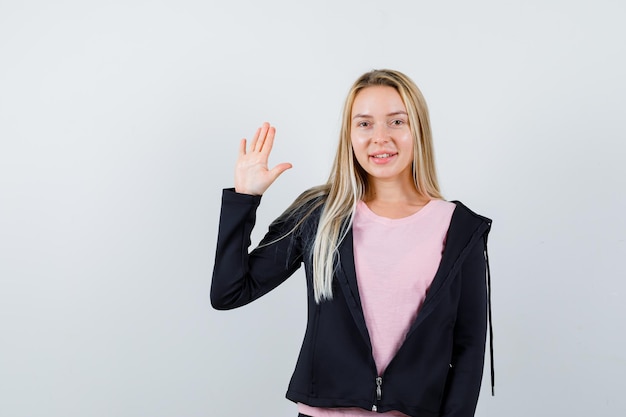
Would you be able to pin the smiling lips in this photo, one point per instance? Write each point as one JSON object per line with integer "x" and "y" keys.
{"x": 383, "y": 157}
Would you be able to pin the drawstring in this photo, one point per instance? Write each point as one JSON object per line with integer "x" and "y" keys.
{"x": 489, "y": 319}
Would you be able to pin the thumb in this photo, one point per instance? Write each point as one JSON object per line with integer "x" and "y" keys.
{"x": 279, "y": 169}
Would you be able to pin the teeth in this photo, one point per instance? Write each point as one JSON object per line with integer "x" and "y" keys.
{"x": 382, "y": 155}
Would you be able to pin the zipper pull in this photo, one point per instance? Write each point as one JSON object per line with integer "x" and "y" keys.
{"x": 379, "y": 391}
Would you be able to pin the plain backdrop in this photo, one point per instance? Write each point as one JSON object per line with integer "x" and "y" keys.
{"x": 119, "y": 126}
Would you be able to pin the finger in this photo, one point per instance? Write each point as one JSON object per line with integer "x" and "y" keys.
{"x": 279, "y": 169}
{"x": 255, "y": 139}
{"x": 269, "y": 141}
{"x": 258, "y": 145}
{"x": 242, "y": 147}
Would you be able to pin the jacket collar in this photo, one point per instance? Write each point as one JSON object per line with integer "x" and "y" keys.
{"x": 466, "y": 229}
{"x": 346, "y": 275}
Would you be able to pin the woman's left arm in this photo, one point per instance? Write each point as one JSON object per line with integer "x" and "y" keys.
{"x": 468, "y": 355}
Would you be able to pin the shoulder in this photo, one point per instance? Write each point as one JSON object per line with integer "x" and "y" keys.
{"x": 467, "y": 214}
{"x": 302, "y": 216}
{"x": 307, "y": 204}
{"x": 466, "y": 222}
{"x": 441, "y": 206}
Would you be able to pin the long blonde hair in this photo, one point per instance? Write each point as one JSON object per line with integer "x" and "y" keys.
{"x": 347, "y": 183}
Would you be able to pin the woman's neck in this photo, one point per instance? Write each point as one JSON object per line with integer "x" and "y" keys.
{"x": 394, "y": 199}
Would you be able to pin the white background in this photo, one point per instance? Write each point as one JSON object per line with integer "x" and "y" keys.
{"x": 120, "y": 123}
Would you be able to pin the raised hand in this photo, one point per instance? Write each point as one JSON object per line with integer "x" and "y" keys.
{"x": 252, "y": 175}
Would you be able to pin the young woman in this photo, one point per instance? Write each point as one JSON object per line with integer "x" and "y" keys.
{"x": 396, "y": 276}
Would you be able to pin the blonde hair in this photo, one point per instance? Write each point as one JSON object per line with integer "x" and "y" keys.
{"x": 347, "y": 183}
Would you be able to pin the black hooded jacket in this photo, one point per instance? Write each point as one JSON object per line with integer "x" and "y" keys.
{"x": 438, "y": 369}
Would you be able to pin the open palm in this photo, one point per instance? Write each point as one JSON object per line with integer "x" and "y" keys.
{"x": 252, "y": 175}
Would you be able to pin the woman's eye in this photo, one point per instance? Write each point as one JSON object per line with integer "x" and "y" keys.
{"x": 363, "y": 124}
{"x": 397, "y": 122}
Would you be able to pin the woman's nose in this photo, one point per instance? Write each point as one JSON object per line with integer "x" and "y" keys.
{"x": 380, "y": 134}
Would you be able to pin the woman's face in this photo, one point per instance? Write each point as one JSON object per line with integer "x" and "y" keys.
{"x": 380, "y": 134}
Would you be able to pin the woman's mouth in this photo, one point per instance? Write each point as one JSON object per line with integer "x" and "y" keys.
{"x": 382, "y": 158}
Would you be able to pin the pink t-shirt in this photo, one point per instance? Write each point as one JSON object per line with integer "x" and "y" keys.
{"x": 396, "y": 261}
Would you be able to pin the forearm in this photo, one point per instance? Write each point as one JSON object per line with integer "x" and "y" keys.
{"x": 465, "y": 375}
{"x": 240, "y": 277}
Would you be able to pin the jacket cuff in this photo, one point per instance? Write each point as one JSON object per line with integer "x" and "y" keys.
{"x": 229, "y": 195}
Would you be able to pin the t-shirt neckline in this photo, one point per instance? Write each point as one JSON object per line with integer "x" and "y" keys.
{"x": 363, "y": 209}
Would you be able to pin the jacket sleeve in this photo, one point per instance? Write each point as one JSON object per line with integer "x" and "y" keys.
{"x": 240, "y": 277}
{"x": 468, "y": 354}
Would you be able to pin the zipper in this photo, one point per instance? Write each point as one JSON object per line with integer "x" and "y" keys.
{"x": 379, "y": 392}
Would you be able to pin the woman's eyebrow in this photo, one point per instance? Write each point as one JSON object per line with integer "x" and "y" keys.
{"x": 395, "y": 113}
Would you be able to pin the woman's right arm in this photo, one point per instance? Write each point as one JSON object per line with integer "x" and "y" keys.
{"x": 240, "y": 277}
